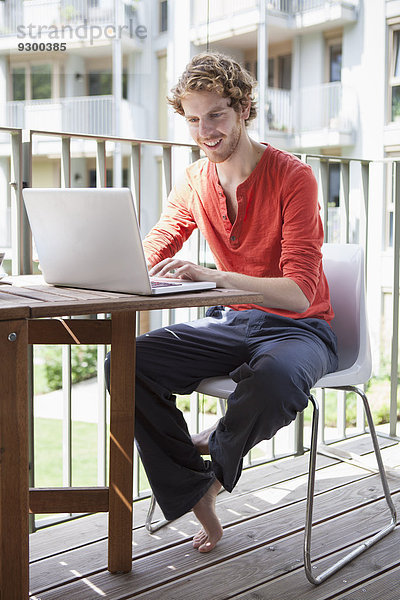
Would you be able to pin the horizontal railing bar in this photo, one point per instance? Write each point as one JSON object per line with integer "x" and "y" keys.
{"x": 340, "y": 159}
{"x": 69, "y": 331}
{"x": 68, "y": 500}
{"x": 11, "y": 129}
{"x": 91, "y": 136}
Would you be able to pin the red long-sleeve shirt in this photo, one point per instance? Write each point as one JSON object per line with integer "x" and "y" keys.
{"x": 277, "y": 232}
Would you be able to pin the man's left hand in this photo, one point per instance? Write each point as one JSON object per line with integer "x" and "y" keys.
{"x": 182, "y": 269}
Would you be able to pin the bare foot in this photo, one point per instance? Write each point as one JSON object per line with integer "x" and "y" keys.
{"x": 208, "y": 537}
{"x": 200, "y": 440}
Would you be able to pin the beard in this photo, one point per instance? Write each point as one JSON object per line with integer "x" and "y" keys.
{"x": 226, "y": 147}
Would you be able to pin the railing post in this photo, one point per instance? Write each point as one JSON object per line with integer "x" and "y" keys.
{"x": 135, "y": 176}
{"x": 365, "y": 221}
{"x": 66, "y": 349}
{"x": 66, "y": 162}
{"x": 345, "y": 205}
{"x": 101, "y": 174}
{"x": 395, "y": 298}
{"x": 16, "y": 203}
{"x": 262, "y": 60}
{"x": 324, "y": 186}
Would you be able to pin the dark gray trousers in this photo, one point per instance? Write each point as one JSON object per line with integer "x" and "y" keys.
{"x": 275, "y": 361}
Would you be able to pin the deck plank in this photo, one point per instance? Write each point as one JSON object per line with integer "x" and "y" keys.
{"x": 242, "y": 537}
{"x": 72, "y": 535}
{"x": 166, "y": 566}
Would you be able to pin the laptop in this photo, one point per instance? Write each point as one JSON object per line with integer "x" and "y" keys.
{"x": 90, "y": 238}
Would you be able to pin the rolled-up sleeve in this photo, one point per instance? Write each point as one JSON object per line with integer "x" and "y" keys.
{"x": 174, "y": 227}
{"x": 302, "y": 231}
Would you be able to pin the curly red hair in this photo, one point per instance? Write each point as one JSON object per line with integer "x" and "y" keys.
{"x": 216, "y": 72}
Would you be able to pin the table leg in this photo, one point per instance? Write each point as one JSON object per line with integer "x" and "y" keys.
{"x": 14, "y": 461}
{"x": 122, "y": 410}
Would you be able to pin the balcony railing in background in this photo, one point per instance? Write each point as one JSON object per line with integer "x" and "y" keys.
{"x": 224, "y": 9}
{"x": 291, "y": 7}
{"x": 85, "y": 114}
{"x": 57, "y": 13}
{"x": 279, "y": 110}
{"x": 327, "y": 106}
{"x": 350, "y": 225}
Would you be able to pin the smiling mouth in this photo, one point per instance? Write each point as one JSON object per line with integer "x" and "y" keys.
{"x": 213, "y": 144}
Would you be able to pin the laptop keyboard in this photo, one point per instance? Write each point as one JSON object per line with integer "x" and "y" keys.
{"x": 156, "y": 284}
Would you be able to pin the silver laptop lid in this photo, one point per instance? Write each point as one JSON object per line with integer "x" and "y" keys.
{"x": 88, "y": 237}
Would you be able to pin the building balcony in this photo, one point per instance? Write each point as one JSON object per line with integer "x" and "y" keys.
{"x": 317, "y": 116}
{"x": 17, "y": 17}
{"x": 86, "y": 114}
{"x": 242, "y": 16}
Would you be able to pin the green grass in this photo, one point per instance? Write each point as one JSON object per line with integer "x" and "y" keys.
{"x": 48, "y": 455}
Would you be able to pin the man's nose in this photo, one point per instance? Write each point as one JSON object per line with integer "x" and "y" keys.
{"x": 204, "y": 127}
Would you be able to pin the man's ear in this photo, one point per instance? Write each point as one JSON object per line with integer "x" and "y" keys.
{"x": 246, "y": 106}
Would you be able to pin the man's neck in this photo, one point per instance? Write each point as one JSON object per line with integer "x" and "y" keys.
{"x": 241, "y": 163}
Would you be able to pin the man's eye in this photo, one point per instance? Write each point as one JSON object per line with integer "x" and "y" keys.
{"x": 215, "y": 115}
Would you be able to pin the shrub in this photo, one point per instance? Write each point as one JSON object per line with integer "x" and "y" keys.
{"x": 83, "y": 365}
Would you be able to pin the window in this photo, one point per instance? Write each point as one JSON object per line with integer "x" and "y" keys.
{"x": 18, "y": 83}
{"x": 394, "y": 74}
{"x": 271, "y": 74}
{"x": 40, "y": 81}
{"x": 125, "y": 85}
{"x": 335, "y": 62}
{"x": 334, "y": 185}
{"x": 31, "y": 82}
{"x": 285, "y": 72}
{"x": 163, "y": 15}
{"x": 100, "y": 84}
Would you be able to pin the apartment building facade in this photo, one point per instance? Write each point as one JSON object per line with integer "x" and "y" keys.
{"x": 328, "y": 76}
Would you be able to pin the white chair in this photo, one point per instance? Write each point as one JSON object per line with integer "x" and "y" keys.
{"x": 344, "y": 269}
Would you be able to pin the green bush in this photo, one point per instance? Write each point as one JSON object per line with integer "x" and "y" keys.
{"x": 49, "y": 359}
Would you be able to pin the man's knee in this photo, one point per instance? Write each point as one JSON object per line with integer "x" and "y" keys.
{"x": 280, "y": 388}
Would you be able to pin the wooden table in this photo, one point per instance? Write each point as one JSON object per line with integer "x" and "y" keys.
{"x": 27, "y": 311}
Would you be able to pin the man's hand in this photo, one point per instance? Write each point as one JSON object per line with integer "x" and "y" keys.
{"x": 183, "y": 269}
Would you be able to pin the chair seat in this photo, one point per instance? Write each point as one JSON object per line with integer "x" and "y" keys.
{"x": 357, "y": 374}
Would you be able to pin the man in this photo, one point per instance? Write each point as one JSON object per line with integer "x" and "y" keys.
{"x": 257, "y": 208}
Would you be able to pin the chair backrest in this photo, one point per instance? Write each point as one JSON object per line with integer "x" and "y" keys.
{"x": 344, "y": 269}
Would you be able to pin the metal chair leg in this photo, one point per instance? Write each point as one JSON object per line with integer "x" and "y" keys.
{"x": 310, "y": 495}
{"x": 149, "y": 525}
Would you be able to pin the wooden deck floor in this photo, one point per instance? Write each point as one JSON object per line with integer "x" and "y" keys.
{"x": 259, "y": 557}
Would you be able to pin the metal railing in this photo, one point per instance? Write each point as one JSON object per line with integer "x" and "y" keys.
{"x": 17, "y": 18}
{"x": 351, "y": 224}
{"x": 224, "y": 9}
{"x": 86, "y": 114}
{"x": 327, "y": 106}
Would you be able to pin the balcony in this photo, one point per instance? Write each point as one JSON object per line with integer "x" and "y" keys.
{"x": 289, "y": 14}
{"x": 318, "y": 116}
{"x": 86, "y": 114}
{"x": 16, "y": 16}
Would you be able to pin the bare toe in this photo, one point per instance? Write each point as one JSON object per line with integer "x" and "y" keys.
{"x": 208, "y": 537}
